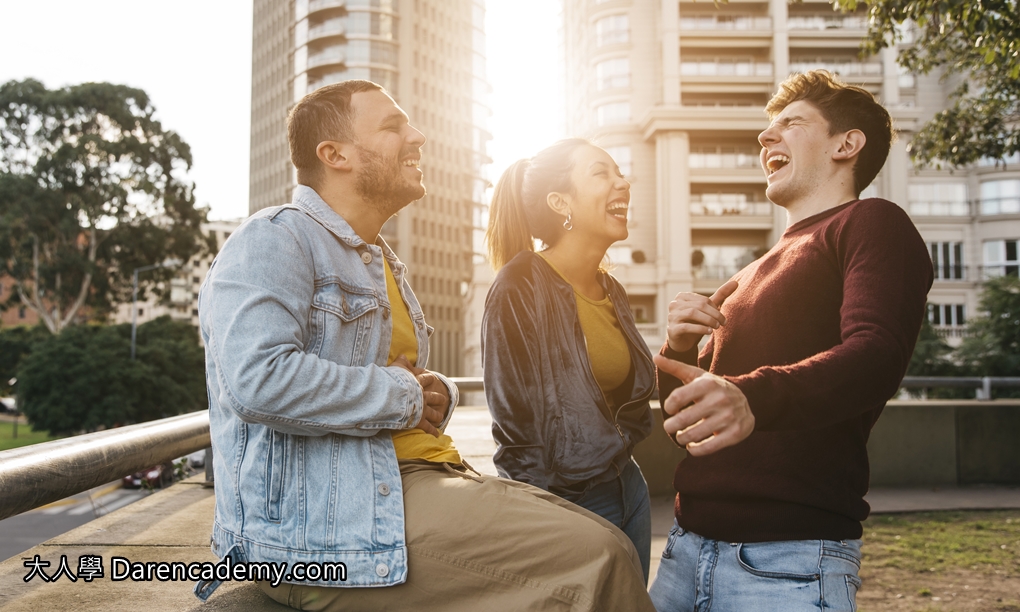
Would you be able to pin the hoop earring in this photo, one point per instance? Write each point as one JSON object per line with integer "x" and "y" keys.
{"x": 567, "y": 225}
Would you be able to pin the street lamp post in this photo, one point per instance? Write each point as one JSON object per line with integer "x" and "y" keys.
{"x": 169, "y": 263}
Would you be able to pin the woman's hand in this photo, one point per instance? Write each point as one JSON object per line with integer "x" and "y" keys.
{"x": 692, "y": 315}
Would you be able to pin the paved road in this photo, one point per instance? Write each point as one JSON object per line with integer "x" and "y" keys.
{"x": 21, "y": 532}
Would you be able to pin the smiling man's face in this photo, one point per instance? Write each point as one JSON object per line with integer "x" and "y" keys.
{"x": 388, "y": 151}
{"x": 797, "y": 153}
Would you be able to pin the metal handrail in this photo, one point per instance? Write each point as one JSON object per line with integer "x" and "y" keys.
{"x": 984, "y": 384}
{"x": 38, "y": 474}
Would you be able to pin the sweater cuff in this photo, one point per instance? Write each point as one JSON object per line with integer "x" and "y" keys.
{"x": 690, "y": 356}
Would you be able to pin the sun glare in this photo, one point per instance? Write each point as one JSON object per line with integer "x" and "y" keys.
{"x": 525, "y": 69}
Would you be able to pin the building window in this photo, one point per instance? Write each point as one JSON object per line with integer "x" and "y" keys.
{"x": 621, "y": 155}
{"x": 1000, "y": 197}
{"x": 612, "y": 30}
{"x": 21, "y": 312}
{"x": 1001, "y": 258}
{"x": 939, "y": 199}
{"x": 946, "y": 315}
{"x": 617, "y": 112}
{"x": 613, "y": 74}
{"x": 947, "y": 260}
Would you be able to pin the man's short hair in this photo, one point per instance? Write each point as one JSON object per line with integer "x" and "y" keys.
{"x": 846, "y": 108}
{"x": 324, "y": 114}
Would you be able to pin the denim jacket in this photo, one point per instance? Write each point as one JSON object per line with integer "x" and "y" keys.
{"x": 553, "y": 426}
{"x": 296, "y": 323}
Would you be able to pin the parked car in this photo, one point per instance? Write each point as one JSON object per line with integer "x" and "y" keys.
{"x": 156, "y": 477}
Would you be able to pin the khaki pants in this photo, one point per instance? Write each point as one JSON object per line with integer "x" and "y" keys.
{"x": 490, "y": 544}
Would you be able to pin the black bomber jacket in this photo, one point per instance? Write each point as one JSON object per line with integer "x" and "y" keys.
{"x": 551, "y": 422}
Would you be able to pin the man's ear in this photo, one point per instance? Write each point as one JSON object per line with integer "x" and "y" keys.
{"x": 558, "y": 202}
{"x": 850, "y": 146}
{"x": 333, "y": 155}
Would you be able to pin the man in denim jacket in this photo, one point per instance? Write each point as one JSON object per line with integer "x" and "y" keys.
{"x": 326, "y": 426}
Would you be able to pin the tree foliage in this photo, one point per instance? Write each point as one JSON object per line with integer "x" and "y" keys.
{"x": 84, "y": 378}
{"x": 993, "y": 346}
{"x": 15, "y": 344}
{"x": 976, "y": 39}
{"x": 91, "y": 187}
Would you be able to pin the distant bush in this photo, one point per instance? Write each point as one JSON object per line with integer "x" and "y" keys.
{"x": 84, "y": 379}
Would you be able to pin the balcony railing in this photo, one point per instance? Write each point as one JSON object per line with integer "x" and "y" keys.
{"x": 333, "y": 56}
{"x": 849, "y": 22}
{"x": 842, "y": 68}
{"x": 326, "y": 29}
{"x": 725, "y": 68}
{"x": 940, "y": 209}
{"x": 742, "y": 159}
{"x": 318, "y": 5}
{"x": 726, "y": 209}
{"x": 725, "y": 22}
{"x": 950, "y": 331}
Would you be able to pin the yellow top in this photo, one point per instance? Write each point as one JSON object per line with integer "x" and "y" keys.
{"x": 606, "y": 344}
{"x": 412, "y": 443}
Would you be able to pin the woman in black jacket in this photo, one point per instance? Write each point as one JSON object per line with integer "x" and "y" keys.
{"x": 567, "y": 375}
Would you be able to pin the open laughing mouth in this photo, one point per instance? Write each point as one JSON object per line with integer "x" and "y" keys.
{"x": 775, "y": 162}
{"x": 412, "y": 162}
{"x": 618, "y": 209}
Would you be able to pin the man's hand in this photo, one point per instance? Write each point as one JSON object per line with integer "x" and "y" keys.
{"x": 692, "y": 316}
{"x": 434, "y": 393}
{"x": 708, "y": 413}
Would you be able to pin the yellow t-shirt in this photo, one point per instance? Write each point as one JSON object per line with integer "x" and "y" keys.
{"x": 412, "y": 443}
{"x": 606, "y": 344}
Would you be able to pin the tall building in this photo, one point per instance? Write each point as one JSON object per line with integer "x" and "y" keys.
{"x": 430, "y": 55}
{"x": 674, "y": 90}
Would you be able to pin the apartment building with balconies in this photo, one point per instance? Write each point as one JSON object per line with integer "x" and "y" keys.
{"x": 430, "y": 55}
{"x": 675, "y": 91}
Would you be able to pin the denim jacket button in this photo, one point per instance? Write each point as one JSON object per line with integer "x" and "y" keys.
{"x": 382, "y": 570}
{"x": 385, "y": 314}
{"x": 366, "y": 257}
{"x": 384, "y": 489}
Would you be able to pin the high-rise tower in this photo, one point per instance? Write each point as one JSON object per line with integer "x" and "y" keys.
{"x": 674, "y": 90}
{"x": 430, "y": 55}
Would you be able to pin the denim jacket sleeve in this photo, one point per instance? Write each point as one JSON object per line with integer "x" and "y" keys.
{"x": 255, "y": 316}
{"x": 514, "y": 387}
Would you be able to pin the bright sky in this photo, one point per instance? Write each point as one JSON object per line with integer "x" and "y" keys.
{"x": 193, "y": 58}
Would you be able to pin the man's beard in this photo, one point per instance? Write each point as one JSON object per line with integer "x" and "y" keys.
{"x": 383, "y": 183}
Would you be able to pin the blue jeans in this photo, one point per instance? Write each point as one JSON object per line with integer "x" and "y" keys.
{"x": 623, "y": 501}
{"x": 697, "y": 574}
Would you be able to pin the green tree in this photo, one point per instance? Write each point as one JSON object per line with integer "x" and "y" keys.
{"x": 91, "y": 187}
{"x": 934, "y": 357}
{"x": 992, "y": 347}
{"x": 15, "y": 343}
{"x": 976, "y": 39}
{"x": 84, "y": 378}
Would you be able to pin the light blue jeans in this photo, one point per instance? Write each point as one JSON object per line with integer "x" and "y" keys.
{"x": 697, "y": 574}
{"x": 624, "y": 502}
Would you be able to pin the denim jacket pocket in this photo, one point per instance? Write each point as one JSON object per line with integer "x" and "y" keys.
{"x": 275, "y": 467}
{"x": 337, "y": 306}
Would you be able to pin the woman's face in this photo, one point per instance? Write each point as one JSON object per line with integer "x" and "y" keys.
{"x": 601, "y": 196}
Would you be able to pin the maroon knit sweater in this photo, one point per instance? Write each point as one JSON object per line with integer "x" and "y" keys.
{"x": 817, "y": 336}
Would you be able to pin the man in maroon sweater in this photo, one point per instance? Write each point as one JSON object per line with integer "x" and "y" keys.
{"x": 813, "y": 338}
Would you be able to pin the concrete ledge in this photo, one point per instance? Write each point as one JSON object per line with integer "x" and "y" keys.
{"x": 171, "y": 525}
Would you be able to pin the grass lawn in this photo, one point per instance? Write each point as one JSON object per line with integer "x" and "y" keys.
{"x": 941, "y": 561}
{"x": 25, "y": 435}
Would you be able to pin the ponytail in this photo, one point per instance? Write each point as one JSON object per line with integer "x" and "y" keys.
{"x": 519, "y": 213}
{"x": 508, "y": 233}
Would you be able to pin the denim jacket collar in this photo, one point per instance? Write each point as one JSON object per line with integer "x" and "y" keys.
{"x": 311, "y": 203}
